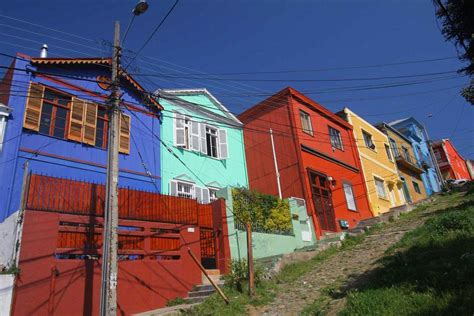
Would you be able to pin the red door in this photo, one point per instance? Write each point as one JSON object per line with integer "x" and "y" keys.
{"x": 322, "y": 201}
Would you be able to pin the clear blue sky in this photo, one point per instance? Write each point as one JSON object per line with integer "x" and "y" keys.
{"x": 253, "y": 36}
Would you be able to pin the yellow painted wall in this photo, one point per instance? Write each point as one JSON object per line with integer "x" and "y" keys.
{"x": 376, "y": 164}
{"x": 407, "y": 174}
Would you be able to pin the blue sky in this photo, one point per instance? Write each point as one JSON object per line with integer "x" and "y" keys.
{"x": 243, "y": 36}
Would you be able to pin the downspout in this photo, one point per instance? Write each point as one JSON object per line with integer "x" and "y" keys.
{"x": 300, "y": 165}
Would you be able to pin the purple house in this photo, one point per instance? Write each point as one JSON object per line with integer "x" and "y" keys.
{"x": 53, "y": 115}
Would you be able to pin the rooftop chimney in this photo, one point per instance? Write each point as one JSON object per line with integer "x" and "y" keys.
{"x": 44, "y": 51}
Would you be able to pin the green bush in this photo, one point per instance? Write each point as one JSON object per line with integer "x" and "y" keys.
{"x": 237, "y": 278}
{"x": 265, "y": 212}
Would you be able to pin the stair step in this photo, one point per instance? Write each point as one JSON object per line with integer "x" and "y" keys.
{"x": 201, "y": 293}
{"x": 215, "y": 278}
{"x": 196, "y": 299}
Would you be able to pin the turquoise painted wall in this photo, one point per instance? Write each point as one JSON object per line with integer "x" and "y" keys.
{"x": 202, "y": 169}
{"x": 267, "y": 245}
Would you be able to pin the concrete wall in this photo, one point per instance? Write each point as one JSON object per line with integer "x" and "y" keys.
{"x": 6, "y": 292}
{"x": 8, "y": 232}
{"x": 266, "y": 245}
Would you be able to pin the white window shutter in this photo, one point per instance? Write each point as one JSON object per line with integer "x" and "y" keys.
{"x": 203, "y": 139}
{"x": 223, "y": 150}
{"x": 194, "y": 136}
{"x": 205, "y": 195}
{"x": 198, "y": 193}
{"x": 174, "y": 187}
{"x": 349, "y": 197}
{"x": 179, "y": 133}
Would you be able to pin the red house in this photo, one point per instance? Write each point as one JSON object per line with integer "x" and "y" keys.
{"x": 450, "y": 162}
{"x": 314, "y": 154}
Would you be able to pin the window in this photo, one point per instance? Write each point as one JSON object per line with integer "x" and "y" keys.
{"x": 389, "y": 153}
{"x": 416, "y": 187}
{"x": 306, "y": 123}
{"x": 54, "y": 114}
{"x": 4, "y": 113}
{"x": 200, "y": 137}
{"x": 213, "y": 194}
{"x": 379, "y": 185}
{"x": 211, "y": 142}
{"x": 406, "y": 154}
{"x": 393, "y": 145}
{"x": 349, "y": 193}
{"x": 438, "y": 156}
{"x": 368, "y": 140}
{"x": 336, "y": 141}
{"x": 57, "y": 114}
{"x": 185, "y": 190}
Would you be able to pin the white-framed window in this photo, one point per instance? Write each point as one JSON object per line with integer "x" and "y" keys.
{"x": 393, "y": 145}
{"x": 3, "y": 126}
{"x": 306, "y": 123}
{"x": 350, "y": 199}
{"x": 389, "y": 152}
{"x": 213, "y": 194}
{"x": 200, "y": 137}
{"x": 380, "y": 187}
{"x": 185, "y": 190}
{"x": 368, "y": 140}
{"x": 336, "y": 140}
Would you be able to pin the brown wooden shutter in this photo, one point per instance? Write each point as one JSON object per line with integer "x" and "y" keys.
{"x": 90, "y": 123}
{"x": 76, "y": 121}
{"x": 34, "y": 104}
{"x": 124, "y": 144}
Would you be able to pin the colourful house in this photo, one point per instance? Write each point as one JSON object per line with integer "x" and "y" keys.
{"x": 451, "y": 164}
{"x": 204, "y": 145}
{"x": 299, "y": 148}
{"x": 378, "y": 163}
{"x": 417, "y": 134}
{"x": 409, "y": 170}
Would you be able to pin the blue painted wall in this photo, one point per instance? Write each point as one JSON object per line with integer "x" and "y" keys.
{"x": 65, "y": 158}
{"x": 417, "y": 134}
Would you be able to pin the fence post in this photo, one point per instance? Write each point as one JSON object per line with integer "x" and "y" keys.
{"x": 250, "y": 259}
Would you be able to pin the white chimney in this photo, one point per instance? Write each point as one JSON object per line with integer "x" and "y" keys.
{"x": 44, "y": 51}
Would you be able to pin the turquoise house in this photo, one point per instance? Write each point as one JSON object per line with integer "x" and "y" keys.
{"x": 203, "y": 145}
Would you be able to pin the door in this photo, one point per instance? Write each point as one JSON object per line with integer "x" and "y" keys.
{"x": 322, "y": 201}
{"x": 405, "y": 190}
{"x": 391, "y": 195}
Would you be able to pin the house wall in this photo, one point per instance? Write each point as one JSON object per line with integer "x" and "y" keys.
{"x": 265, "y": 244}
{"x": 407, "y": 174}
{"x": 65, "y": 158}
{"x": 350, "y": 171}
{"x": 457, "y": 164}
{"x": 376, "y": 163}
{"x": 200, "y": 168}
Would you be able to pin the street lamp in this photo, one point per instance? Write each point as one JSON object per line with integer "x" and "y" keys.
{"x": 140, "y": 8}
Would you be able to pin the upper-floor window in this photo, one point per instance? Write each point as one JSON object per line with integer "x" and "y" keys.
{"x": 306, "y": 123}
{"x": 4, "y": 113}
{"x": 406, "y": 154}
{"x": 389, "y": 153}
{"x": 213, "y": 194}
{"x": 61, "y": 115}
{"x": 336, "y": 140}
{"x": 393, "y": 145}
{"x": 368, "y": 140}
{"x": 416, "y": 186}
{"x": 438, "y": 156}
{"x": 200, "y": 137}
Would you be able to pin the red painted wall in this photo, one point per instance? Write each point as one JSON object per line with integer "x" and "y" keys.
{"x": 281, "y": 113}
{"x": 47, "y": 285}
{"x": 451, "y": 160}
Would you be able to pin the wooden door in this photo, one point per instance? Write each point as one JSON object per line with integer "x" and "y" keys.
{"x": 322, "y": 201}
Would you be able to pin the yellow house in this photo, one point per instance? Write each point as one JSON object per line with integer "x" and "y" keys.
{"x": 408, "y": 168}
{"x": 383, "y": 184}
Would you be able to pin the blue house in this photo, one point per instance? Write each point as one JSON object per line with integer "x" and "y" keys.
{"x": 53, "y": 114}
{"x": 418, "y": 136}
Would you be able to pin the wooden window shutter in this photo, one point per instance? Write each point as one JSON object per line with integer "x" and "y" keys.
{"x": 76, "y": 121}
{"x": 124, "y": 144}
{"x": 34, "y": 104}
{"x": 90, "y": 123}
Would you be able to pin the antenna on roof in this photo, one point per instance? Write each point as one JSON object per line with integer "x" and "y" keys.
{"x": 44, "y": 51}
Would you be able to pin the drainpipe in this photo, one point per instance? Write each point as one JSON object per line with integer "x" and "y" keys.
{"x": 276, "y": 164}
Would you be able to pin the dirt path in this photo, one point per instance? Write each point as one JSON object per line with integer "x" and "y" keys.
{"x": 344, "y": 267}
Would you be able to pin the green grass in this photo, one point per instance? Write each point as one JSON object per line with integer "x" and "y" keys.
{"x": 430, "y": 271}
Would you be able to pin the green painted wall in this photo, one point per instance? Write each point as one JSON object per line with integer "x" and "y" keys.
{"x": 229, "y": 172}
{"x": 267, "y": 245}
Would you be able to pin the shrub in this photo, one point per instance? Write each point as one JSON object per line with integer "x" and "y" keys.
{"x": 237, "y": 278}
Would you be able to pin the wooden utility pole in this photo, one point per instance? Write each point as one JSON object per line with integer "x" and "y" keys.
{"x": 250, "y": 260}
{"x": 108, "y": 295}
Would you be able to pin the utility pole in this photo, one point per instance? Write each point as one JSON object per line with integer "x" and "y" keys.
{"x": 276, "y": 164}
{"x": 108, "y": 295}
{"x": 250, "y": 259}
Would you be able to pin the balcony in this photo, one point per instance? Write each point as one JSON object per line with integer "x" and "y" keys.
{"x": 409, "y": 162}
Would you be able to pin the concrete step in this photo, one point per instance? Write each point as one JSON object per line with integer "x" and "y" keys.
{"x": 216, "y": 278}
{"x": 196, "y": 299}
{"x": 201, "y": 293}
